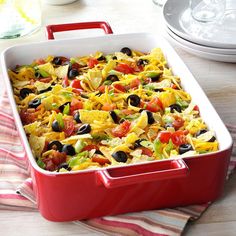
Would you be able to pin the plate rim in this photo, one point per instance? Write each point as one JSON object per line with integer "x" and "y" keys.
{"x": 214, "y": 50}
{"x": 180, "y": 31}
{"x": 211, "y": 56}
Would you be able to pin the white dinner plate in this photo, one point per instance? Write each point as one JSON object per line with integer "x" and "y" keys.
{"x": 199, "y": 47}
{"x": 203, "y": 54}
{"x": 178, "y": 18}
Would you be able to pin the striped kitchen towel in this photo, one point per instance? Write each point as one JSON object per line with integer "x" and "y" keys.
{"x": 16, "y": 191}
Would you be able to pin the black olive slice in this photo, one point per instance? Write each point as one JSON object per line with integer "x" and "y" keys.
{"x": 156, "y": 78}
{"x": 122, "y": 120}
{"x": 98, "y": 94}
{"x": 150, "y": 117}
{"x": 46, "y": 90}
{"x": 56, "y": 126}
{"x": 201, "y": 131}
{"x": 84, "y": 129}
{"x": 61, "y": 108}
{"x": 64, "y": 165}
{"x": 159, "y": 90}
{"x": 37, "y": 75}
{"x": 174, "y": 107}
{"x": 114, "y": 117}
{"x": 60, "y": 61}
{"x": 57, "y": 61}
{"x": 142, "y": 62}
{"x": 126, "y": 51}
{"x": 77, "y": 117}
{"x": 68, "y": 149}
{"x": 134, "y": 100}
{"x": 212, "y": 139}
{"x": 98, "y": 152}
{"x": 185, "y": 148}
{"x": 101, "y": 58}
{"x": 112, "y": 78}
{"x": 34, "y": 103}
{"x": 73, "y": 73}
{"x": 56, "y": 145}
{"x": 84, "y": 96}
{"x": 137, "y": 143}
{"x": 65, "y": 63}
{"x": 120, "y": 156}
{"x": 25, "y": 92}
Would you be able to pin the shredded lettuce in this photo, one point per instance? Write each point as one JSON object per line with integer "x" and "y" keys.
{"x": 41, "y": 163}
{"x": 66, "y": 110}
{"x": 79, "y": 159}
{"x": 59, "y": 118}
{"x": 158, "y": 148}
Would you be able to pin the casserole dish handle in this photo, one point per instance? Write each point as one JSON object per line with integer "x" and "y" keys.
{"x": 163, "y": 170}
{"x": 50, "y": 29}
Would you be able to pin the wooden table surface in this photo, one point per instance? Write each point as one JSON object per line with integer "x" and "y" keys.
{"x": 217, "y": 79}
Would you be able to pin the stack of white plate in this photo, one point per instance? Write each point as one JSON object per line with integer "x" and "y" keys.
{"x": 215, "y": 41}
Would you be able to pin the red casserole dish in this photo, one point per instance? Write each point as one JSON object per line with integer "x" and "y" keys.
{"x": 114, "y": 190}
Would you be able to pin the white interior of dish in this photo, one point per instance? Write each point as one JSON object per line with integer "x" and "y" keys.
{"x": 25, "y": 54}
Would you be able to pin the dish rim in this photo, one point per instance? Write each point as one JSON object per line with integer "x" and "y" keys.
{"x": 59, "y": 41}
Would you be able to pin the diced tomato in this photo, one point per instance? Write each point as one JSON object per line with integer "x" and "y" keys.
{"x": 147, "y": 80}
{"x": 54, "y": 160}
{"x": 154, "y": 105}
{"x": 69, "y": 127}
{"x": 58, "y": 157}
{"x": 196, "y": 108}
{"x": 164, "y": 136}
{"x": 140, "y": 68}
{"x": 124, "y": 68}
{"x": 76, "y": 83}
{"x": 101, "y": 89}
{"x": 77, "y": 91}
{"x": 90, "y": 147}
{"x": 32, "y": 81}
{"x": 127, "y": 112}
{"x": 122, "y": 129}
{"x": 57, "y": 110}
{"x": 178, "y": 122}
{"x": 146, "y": 151}
{"x": 45, "y": 146}
{"x": 174, "y": 86}
{"x": 108, "y": 107}
{"x": 65, "y": 82}
{"x": 45, "y": 80}
{"x": 92, "y": 62}
{"x": 75, "y": 105}
{"x": 119, "y": 88}
{"x": 27, "y": 117}
{"x": 39, "y": 107}
{"x": 137, "y": 68}
{"x": 49, "y": 165}
{"x": 75, "y": 66}
{"x": 179, "y": 137}
{"x": 64, "y": 60}
{"x": 135, "y": 83}
{"x": 99, "y": 159}
{"x": 40, "y": 61}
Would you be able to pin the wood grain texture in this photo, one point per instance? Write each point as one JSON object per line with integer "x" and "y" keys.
{"x": 18, "y": 223}
{"x": 217, "y": 79}
{"x": 220, "y": 218}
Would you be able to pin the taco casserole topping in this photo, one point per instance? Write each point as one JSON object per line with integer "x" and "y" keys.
{"x": 104, "y": 110}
